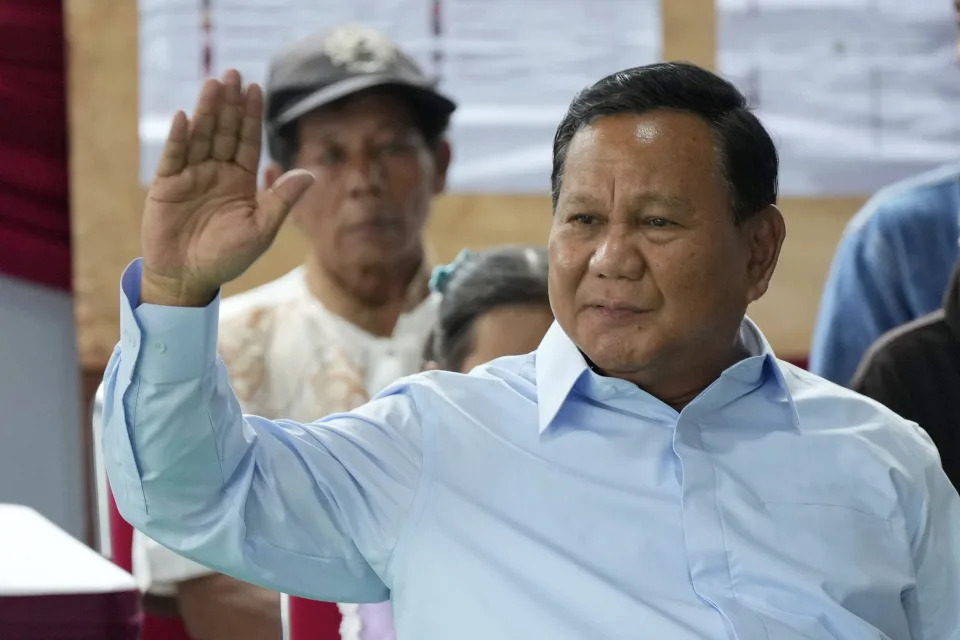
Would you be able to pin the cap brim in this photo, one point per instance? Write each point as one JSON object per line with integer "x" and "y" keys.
{"x": 425, "y": 96}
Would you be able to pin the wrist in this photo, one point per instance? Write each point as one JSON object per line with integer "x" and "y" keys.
{"x": 173, "y": 292}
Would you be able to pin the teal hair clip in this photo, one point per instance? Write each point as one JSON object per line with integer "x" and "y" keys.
{"x": 442, "y": 273}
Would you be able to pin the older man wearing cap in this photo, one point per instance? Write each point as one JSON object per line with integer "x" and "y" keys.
{"x": 359, "y": 114}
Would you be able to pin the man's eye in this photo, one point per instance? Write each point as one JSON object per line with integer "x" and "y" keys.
{"x": 583, "y": 218}
{"x": 333, "y": 155}
{"x": 659, "y": 223}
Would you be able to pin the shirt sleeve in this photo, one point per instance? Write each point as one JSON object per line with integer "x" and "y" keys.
{"x": 932, "y": 605}
{"x": 862, "y": 300}
{"x": 159, "y": 570}
{"x": 308, "y": 509}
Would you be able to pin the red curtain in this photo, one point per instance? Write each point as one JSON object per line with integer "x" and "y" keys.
{"x": 34, "y": 197}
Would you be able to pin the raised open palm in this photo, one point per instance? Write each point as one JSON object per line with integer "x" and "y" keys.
{"x": 204, "y": 222}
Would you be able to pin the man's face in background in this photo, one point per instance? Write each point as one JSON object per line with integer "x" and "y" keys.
{"x": 376, "y": 176}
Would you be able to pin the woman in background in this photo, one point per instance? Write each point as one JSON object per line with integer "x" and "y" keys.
{"x": 494, "y": 304}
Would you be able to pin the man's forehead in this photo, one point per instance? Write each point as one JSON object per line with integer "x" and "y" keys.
{"x": 650, "y": 150}
{"x": 596, "y": 169}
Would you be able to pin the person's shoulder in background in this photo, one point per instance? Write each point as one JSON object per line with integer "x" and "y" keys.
{"x": 272, "y": 294}
{"x": 247, "y": 325}
{"x": 914, "y": 371}
{"x": 931, "y": 197}
{"x": 919, "y": 212}
{"x": 892, "y": 266}
{"x": 906, "y": 350}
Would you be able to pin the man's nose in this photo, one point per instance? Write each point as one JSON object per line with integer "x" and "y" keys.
{"x": 365, "y": 174}
{"x": 618, "y": 255}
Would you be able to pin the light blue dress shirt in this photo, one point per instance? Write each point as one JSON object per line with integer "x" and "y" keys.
{"x": 892, "y": 266}
{"x": 534, "y": 498}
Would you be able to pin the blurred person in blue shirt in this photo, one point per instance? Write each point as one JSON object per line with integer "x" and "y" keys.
{"x": 651, "y": 466}
{"x": 892, "y": 266}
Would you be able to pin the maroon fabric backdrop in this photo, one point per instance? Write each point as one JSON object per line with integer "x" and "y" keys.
{"x": 34, "y": 198}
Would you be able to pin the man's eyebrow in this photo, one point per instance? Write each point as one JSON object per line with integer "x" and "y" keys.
{"x": 580, "y": 201}
{"x": 665, "y": 200}
{"x": 586, "y": 201}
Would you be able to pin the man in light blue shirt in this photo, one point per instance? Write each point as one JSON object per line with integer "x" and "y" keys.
{"x": 652, "y": 470}
{"x": 892, "y": 267}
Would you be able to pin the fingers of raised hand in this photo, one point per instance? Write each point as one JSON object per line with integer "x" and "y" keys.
{"x": 204, "y": 121}
{"x": 229, "y": 118}
{"x": 225, "y": 126}
{"x": 174, "y": 156}
{"x": 249, "y": 142}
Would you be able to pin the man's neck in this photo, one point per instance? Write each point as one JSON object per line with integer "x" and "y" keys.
{"x": 699, "y": 379}
{"x": 371, "y": 298}
{"x": 679, "y": 386}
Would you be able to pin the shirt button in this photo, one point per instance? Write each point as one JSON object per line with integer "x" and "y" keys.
{"x": 160, "y": 347}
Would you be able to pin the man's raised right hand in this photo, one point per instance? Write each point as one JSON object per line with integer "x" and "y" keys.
{"x": 204, "y": 223}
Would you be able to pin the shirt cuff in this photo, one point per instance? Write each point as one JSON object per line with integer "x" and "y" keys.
{"x": 164, "y": 344}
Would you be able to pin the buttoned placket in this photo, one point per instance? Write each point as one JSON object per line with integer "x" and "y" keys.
{"x": 703, "y": 526}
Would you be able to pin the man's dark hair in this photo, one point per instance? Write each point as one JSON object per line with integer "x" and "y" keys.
{"x": 431, "y": 123}
{"x": 483, "y": 282}
{"x": 747, "y": 156}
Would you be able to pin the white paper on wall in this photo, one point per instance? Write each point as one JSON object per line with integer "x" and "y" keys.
{"x": 857, "y": 93}
{"x": 511, "y": 66}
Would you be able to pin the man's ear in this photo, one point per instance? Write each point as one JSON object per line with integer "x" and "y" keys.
{"x": 765, "y": 231}
{"x": 441, "y": 154}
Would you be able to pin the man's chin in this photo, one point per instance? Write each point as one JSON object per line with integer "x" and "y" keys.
{"x": 378, "y": 236}
{"x": 617, "y": 358}
{"x": 372, "y": 255}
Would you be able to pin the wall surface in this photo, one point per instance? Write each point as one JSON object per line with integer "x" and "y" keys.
{"x": 107, "y": 198}
{"x": 41, "y": 449}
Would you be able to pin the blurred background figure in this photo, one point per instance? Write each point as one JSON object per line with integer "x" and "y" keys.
{"x": 357, "y": 112}
{"x": 494, "y": 304}
{"x": 915, "y": 370}
{"x": 892, "y": 266}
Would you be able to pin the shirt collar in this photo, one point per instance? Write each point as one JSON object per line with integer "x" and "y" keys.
{"x": 560, "y": 364}
{"x": 760, "y": 369}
